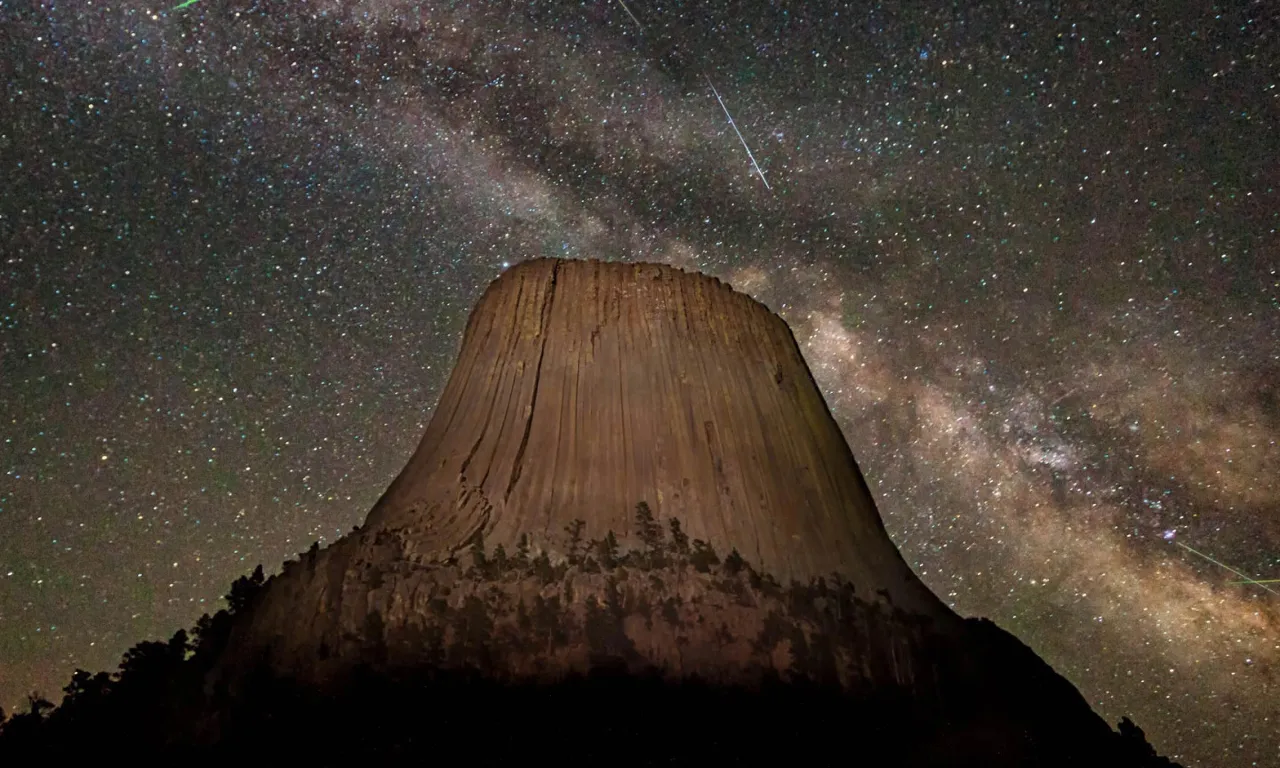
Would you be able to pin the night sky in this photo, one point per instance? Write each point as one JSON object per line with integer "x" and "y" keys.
{"x": 1029, "y": 249}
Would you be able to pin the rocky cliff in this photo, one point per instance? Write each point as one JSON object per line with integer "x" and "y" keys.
{"x": 583, "y": 390}
{"x": 632, "y": 534}
{"x": 583, "y": 387}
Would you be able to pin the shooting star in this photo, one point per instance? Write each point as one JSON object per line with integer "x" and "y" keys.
{"x": 1244, "y": 576}
{"x": 632, "y": 15}
{"x": 735, "y": 130}
{"x": 184, "y": 5}
{"x": 1064, "y": 396}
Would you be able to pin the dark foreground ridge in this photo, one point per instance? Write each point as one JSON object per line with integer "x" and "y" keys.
{"x": 988, "y": 700}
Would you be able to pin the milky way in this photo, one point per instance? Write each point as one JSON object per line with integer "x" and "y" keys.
{"x": 1029, "y": 249}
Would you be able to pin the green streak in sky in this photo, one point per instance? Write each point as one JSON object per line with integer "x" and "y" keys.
{"x": 1244, "y": 576}
{"x": 184, "y": 5}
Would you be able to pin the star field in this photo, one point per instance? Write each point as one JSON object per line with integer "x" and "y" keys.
{"x": 1029, "y": 250}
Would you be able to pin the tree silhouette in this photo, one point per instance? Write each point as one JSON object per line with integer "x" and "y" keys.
{"x": 547, "y": 622}
{"x": 574, "y": 530}
{"x": 211, "y": 634}
{"x": 671, "y": 611}
{"x": 149, "y": 664}
{"x": 643, "y": 607}
{"x": 650, "y": 532}
{"x": 501, "y": 563}
{"x": 542, "y": 568}
{"x": 37, "y": 705}
{"x": 479, "y": 562}
{"x": 679, "y": 539}
{"x": 647, "y": 526}
{"x": 774, "y": 630}
{"x": 703, "y": 557}
{"x": 85, "y": 690}
{"x": 244, "y": 590}
{"x": 24, "y": 729}
{"x": 607, "y": 550}
{"x": 734, "y": 562}
{"x": 474, "y": 632}
{"x": 1135, "y": 747}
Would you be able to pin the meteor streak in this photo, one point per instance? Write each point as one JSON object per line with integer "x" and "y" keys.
{"x": 632, "y": 15}
{"x": 735, "y": 130}
{"x": 1244, "y": 576}
{"x": 184, "y": 5}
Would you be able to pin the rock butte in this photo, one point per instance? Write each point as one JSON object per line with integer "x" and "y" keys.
{"x": 583, "y": 387}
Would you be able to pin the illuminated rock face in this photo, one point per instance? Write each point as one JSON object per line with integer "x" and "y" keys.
{"x": 584, "y": 387}
{"x": 532, "y": 536}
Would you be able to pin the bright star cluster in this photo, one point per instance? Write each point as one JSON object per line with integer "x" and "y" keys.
{"x": 1029, "y": 249}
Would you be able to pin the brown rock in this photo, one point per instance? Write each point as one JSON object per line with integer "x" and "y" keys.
{"x": 584, "y": 387}
{"x": 509, "y": 596}
{"x": 581, "y": 389}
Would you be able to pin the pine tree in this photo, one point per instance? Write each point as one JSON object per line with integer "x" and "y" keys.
{"x": 679, "y": 539}
{"x": 479, "y": 563}
{"x": 574, "y": 530}
{"x": 542, "y": 568}
{"x": 703, "y": 556}
{"x": 734, "y": 563}
{"x": 648, "y": 528}
{"x": 244, "y": 590}
{"x": 608, "y": 551}
{"x": 501, "y": 563}
{"x": 37, "y": 705}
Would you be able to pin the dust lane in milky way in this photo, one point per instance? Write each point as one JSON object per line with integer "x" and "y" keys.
{"x": 1029, "y": 252}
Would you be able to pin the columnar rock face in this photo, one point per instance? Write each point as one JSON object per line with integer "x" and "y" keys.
{"x": 583, "y": 387}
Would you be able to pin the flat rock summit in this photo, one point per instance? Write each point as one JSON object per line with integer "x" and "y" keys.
{"x": 633, "y": 534}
